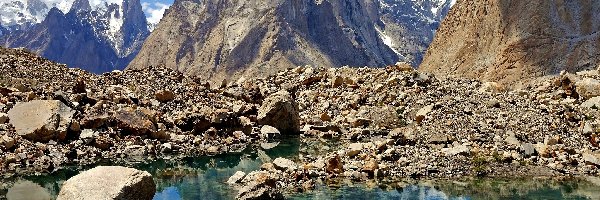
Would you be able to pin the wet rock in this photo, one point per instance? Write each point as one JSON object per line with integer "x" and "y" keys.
{"x": 588, "y": 88}
{"x": 164, "y": 96}
{"x": 27, "y": 190}
{"x": 236, "y": 178}
{"x": 280, "y": 111}
{"x": 284, "y": 164}
{"x": 259, "y": 185}
{"x": 269, "y": 132}
{"x": 212, "y": 150}
{"x": 109, "y": 182}
{"x": 41, "y": 120}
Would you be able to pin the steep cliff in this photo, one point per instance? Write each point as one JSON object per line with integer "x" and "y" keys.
{"x": 226, "y": 39}
{"x": 511, "y": 42}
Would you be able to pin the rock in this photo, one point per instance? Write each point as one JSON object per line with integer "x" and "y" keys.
{"x": 325, "y": 117}
{"x": 41, "y": 120}
{"x": 337, "y": 81}
{"x": 213, "y": 150}
{"x": 268, "y": 145}
{"x": 588, "y": 88}
{"x": 280, "y": 111}
{"x": 3, "y": 118}
{"x": 358, "y": 122}
{"x": 354, "y": 149}
{"x": 284, "y": 164}
{"x": 109, "y": 182}
{"x": 370, "y": 166}
{"x": 166, "y": 148}
{"x": 422, "y": 113}
{"x": 7, "y": 142}
{"x": 269, "y": 132}
{"x": 88, "y": 135}
{"x": 236, "y": 178}
{"x": 134, "y": 122}
{"x": 528, "y": 149}
{"x": 491, "y": 87}
{"x": 457, "y": 150}
{"x": 27, "y": 190}
{"x": 164, "y": 96}
{"x": 334, "y": 165}
{"x": 261, "y": 186}
{"x": 593, "y": 102}
{"x": 592, "y": 158}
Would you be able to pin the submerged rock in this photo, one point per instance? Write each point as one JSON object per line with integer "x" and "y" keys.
{"x": 109, "y": 182}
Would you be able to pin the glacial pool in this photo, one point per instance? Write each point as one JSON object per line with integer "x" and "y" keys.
{"x": 205, "y": 178}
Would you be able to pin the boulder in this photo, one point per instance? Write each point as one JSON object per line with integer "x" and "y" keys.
{"x": 164, "y": 96}
{"x": 592, "y": 158}
{"x": 109, "y": 182}
{"x": 354, "y": 149}
{"x": 269, "y": 132}
{"x": 593, "y": 102}
{"x": 41, "y": 120}
{"x": 284, "y": 164}
{"x": 422, "y": 113}
{"x": 236, "y": 178}
{"x": 588, "y": 88}
{"x": 3, "y": 118}
{"x": 134, "y": 122}
{"x": 280, "y": 111}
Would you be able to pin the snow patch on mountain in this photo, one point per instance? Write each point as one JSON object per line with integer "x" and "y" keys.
{"x": 19, "y": 14}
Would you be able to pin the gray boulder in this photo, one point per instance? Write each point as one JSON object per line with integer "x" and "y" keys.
{"x": 109, "y": 182}
{"x": 41, "y": 120}
{"x": 280, "y": 111}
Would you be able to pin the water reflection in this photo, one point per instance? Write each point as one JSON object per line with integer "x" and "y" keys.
{"x": 205, "y": 178}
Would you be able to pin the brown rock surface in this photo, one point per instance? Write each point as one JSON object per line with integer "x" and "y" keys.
{"x": 510, "y": 42}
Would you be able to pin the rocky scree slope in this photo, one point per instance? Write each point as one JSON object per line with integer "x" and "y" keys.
{"x": 97, "y": 38}
{"x": 355, "y": 123}
{"x": 511, "y": 42}
{"x": 218, "y": 40}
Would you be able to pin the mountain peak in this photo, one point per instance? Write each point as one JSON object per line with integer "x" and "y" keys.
{"x": 81, "y": 6}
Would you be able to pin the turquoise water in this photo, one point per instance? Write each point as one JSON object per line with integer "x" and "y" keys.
{"x": 205, "y": 177}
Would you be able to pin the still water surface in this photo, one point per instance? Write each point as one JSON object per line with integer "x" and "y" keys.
{"x": 205, "y": 177}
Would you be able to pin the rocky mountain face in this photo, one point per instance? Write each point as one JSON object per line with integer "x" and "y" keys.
{"x": 97, "y": 38}
{"x": 22, "y": 14}
{"x": 511, "y": 42}
{"x": 218, "y": 40}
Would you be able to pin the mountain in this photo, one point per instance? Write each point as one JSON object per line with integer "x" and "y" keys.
{"x": 511, "y": 42}
{"x": 225, "y": 39}
{"x": 97, "y": 37}
{"x": 21, "y": 14}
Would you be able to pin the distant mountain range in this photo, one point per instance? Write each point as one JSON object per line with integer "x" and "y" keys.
{"x": 227, "y": 39}
{"x": 97, "y": 38}
{"x": 218, "y": 39}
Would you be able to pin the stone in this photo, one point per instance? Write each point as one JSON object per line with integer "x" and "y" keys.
{"x": 269, "y": 132}
{"x": 370, "y": 166}
{"x": 166, "y": 148}
{"x": 236, "y": 178}
{"x": 354, "y": 149}
{"x": 164, "y": 96}
{"x": 3, "y": 118}
{"x": 88, "y": 135}
{"x": 109, "y": 182}
{"x": 588, "y": 88}
{"x": 422, "y": 113}
{"x": 27, "y": 190}
{"x": 284, "y": 164}
{"x": 134, "y": 122}
{"x": 528, "y": 149}
{"x": 7, "y": 142}
{"x": 334, "y": 165}
{"x": 457, "y": 150}
{"x": 280, "y": 111}
{"x": 491, "y": 87}
{"x": 592, "y": 158}
{"x": 337, "y": 81}
{"x": 213, "y": 150}
{"x": 593, "y": 102}
{"x": 41, "y": 120}
{"x": 325, "y": 117}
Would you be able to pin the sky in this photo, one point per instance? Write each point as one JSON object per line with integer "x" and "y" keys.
{"x": 155, "y": 9}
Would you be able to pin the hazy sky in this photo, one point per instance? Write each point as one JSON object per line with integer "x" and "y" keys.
{"x": 154, "y": 9}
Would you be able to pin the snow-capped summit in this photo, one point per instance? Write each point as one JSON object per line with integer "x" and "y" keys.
{"x": 20, "y": 14}
{"x": 97, "y": 35}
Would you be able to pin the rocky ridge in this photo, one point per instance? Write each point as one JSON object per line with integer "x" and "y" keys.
{"x": 514, "y": 42}
{"x": 357, "y": 123}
